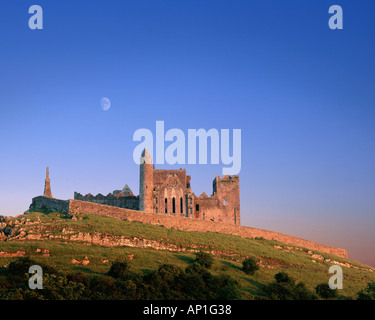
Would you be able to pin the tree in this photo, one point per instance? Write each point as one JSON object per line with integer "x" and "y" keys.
{"x": 204, "y": 259}
{"x": 119, "y": 270}
{"x": 249, "y": 266}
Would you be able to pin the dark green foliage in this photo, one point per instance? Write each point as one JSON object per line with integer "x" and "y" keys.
{"x": 283, "y": 277}
{"x": 229, "y": 291}
{"x": 196, "y": 268}
{"x": 119, "y": 270}
{"x": 325, "y": 292}
{"x": 79, "y": 277}
{"x": 249, "y": 266}
{"x": 169, "y": 272}
{"x": 18, "y": 268}
{"x": 368, "y": 293}
{"x": 204, "y": 259}
{"x": 284, "y": 288}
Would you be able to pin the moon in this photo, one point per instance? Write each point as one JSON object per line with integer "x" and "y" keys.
{"x": 105, "y": 103}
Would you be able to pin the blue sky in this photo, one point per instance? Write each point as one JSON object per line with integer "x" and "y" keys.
{"x": 302, "y": 94}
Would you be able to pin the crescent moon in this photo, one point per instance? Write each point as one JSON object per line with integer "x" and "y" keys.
{"x": 105, "y": 103}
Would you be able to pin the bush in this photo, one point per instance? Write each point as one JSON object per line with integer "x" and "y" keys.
{"x": 229, "y": 291}
{"x": 79, "y": 277}
{"x": 18, "y": 268}
{"x": 196, "y": 268}
{"x": 325, "y": 292}
{"x": 284, "y": 288}
{"x": 283, "y": 277}
{"x": 204, "y": 259}
{"x": 168, "y": 272}
{"x": 368, "y": 293}
{"x": 249, "y": 266}
{"x": 119, "y": 270}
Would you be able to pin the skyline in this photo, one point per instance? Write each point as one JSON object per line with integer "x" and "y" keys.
{"x": 302, "y": 94}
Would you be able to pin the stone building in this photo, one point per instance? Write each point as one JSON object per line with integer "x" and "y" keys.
{"x": 168, "y": 192}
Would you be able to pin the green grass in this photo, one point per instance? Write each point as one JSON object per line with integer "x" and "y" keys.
{"x": 298, "y": 265}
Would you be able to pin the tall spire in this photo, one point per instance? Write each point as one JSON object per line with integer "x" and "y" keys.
{"x": 47, "y": 186}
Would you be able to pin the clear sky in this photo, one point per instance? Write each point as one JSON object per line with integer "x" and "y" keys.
{"x": 302, "y": 94}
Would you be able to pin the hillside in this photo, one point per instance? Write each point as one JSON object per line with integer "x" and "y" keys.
{"x": 64, "y": 241}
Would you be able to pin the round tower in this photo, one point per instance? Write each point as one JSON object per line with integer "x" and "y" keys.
{"x": 146, "y": 183}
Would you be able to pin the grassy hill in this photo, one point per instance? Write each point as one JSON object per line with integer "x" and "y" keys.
{"x": 62, "y": 242}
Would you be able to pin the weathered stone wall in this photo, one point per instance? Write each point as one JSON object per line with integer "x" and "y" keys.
{"x": 46, "y": 204}
{"x": 169, "y": 197}
{"x": 169, "y": 221}
{"x": 161, "y": 175}
{"x": 223, "y": 205}
{"x": 127, "y": 202}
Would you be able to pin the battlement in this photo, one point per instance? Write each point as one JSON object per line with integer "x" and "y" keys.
{"x": 120, "y": 200}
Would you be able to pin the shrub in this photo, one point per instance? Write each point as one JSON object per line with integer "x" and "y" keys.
{"x": 119, "y": 270}
{"x": 196, "y": 268}
{"x": 325, "y": 292}
{"x": 229, "y": 291}
{"x": 283, "y": 277}
{"x": 368, "y": 293}
{"x": 249, "y": 266}
{"x": 204, "y": 259}
{"x": 103, "y": 288}
{"x": 18, "y": 268}
{"x": 79, "y": 277}
{"x": 284, "y": 288}
{"x": 168, "y": 272}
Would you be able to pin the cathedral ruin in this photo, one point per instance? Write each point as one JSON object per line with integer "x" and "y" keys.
{"x": 163, "y": 192}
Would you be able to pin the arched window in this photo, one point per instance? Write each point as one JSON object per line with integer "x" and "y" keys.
{"x": 174, "y": 205}
{"x": 197, "y": 207}
{"x": 166, "y": 205}
{"x": 181, "y": 205}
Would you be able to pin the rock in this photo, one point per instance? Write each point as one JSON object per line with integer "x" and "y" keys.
{"x": 317, "y": 256}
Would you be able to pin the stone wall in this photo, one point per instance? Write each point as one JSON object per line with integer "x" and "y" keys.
{"x": 46, "y": 204}
{"x": 127, "y": 202}
{"x": 188, "y": 224}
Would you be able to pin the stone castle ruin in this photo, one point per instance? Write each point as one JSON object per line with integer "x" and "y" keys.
{"x": 166, "y": 199}
{"x": 169, "y": 192}
{"x": 162, "y": 192}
